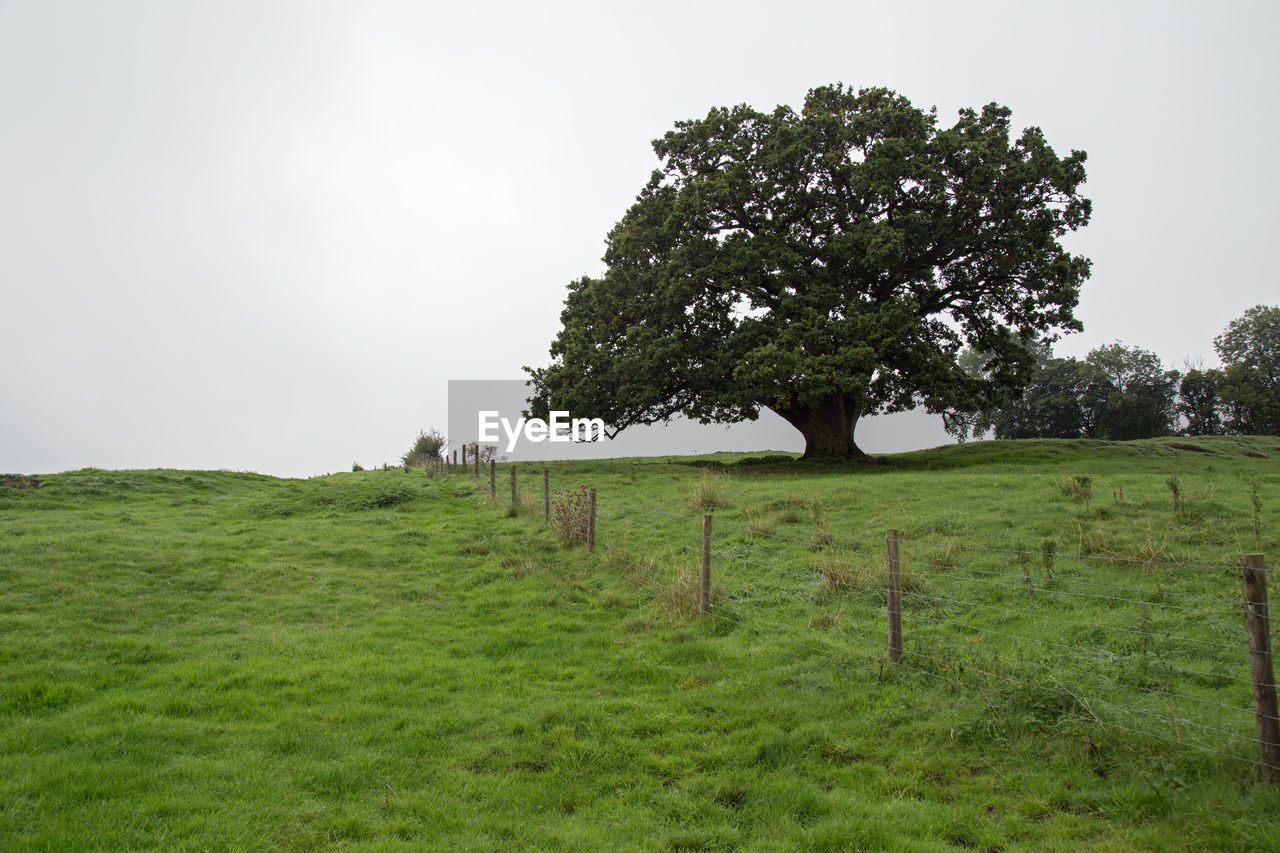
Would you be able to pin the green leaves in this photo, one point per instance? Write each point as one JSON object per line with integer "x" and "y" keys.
{"x": 1250, "y": 351}
{"x": 839, "y": 257}
{"x": 1117, "y": 393}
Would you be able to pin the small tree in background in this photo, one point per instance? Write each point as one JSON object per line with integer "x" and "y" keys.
{"x": 1200, "y": 402}
{"x": 1130, "y": 394}
{"x": 1117, "y": 392}
{"x": 1051, "y": 405}
{"x": 1120, "y": 392}
{"x": 426, "y": 446}
{"x": 1250, "y": 353}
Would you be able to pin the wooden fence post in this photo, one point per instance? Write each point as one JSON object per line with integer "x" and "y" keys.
{"x": 493, "y": 481}
{"x": 464, "y": 456}
{"x": 591, "y": 523}
{"x": 895, "y": 596}
{"x": 455, "y": 458}
{"x": 1263, "y": 675}
{"x": 477, "y": 460}
{"x": 515, "y": 495}
{"x": 704, "y": 599}
{"x": 546, "y": 494}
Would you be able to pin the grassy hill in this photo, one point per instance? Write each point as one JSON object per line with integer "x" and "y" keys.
{"x": 388, "y": 661}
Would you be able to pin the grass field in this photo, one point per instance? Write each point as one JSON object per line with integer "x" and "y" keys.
{"x": 385, "y": 660}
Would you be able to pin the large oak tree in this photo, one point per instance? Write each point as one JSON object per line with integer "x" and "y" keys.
{"x": 826, "y": 264}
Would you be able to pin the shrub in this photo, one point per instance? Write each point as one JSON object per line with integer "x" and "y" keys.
{"x": 768, "y": 459}
{"x": 425, "y": 446}
{"x": 570, "y": 515}
{"x": 1047, "y": 549}
{"x": 488, "y": 453}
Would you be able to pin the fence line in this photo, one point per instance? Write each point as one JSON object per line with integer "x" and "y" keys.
{"x": 826, "y": 646}
{"x": 1115, "y": 676}
{"x": 1016, "y": 586}
{"x": 870, "y": 537}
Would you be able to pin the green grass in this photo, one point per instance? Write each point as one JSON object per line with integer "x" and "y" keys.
{"x": 383, "y": 660}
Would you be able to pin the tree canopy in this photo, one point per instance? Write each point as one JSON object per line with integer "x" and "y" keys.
{"x": 1200, "y": 402}
{"x": 1051, "y": 405}
{"x": 1250, "y": 351}
{"x": 826, "y": 264}
{"x": 1120, "y": 392}
{"x": 1117, "y": 392}
{"x": 1130, "y": 394}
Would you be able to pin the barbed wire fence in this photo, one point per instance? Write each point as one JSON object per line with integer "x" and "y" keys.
{"x": 1178, "y": 654}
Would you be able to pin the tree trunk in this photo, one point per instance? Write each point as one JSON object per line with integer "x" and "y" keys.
{"x": 827, "y": 429}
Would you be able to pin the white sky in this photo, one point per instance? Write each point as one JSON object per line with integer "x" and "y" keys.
{"x": 264, "y": 235}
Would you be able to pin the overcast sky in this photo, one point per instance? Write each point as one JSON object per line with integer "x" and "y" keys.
{"x": 264, "y": 235}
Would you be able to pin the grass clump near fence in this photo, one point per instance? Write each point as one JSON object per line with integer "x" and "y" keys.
{"x": 710, "y": 492}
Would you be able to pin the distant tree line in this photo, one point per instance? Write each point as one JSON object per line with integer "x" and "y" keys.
{"x": 1119, "y": 392}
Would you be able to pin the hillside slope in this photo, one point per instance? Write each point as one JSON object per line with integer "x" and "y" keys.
{"x": 384, "y": 660}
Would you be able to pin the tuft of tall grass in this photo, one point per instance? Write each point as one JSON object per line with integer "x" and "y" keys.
{"x": 710, "y": 493}
{"x": 914, "y": 580}
{"x": 838, "y": 575}
{"x": 821, "y": 538}
{"x": 1256, "y": 503}
{"x": 943, "y": 557}
{"x": 521, "y": 565}
{"x": 1144, "y": 552}
{"x": 827, "y": 619}
{"x": 792, "y": 513}
{"x": 618, "y": 557}
{"x": 681, "y": 595}
{"x": 758, "y": 522}
{"x": 1077, "y": 486}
